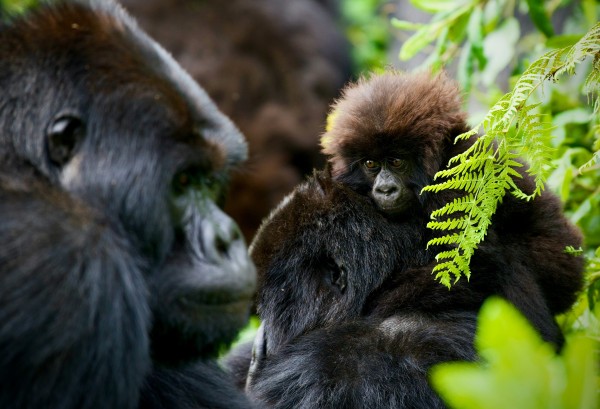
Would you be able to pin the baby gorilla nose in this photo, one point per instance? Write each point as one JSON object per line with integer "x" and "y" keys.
{"x": 386, "y": 189}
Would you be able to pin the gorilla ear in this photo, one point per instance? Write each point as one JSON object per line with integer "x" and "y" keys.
{"x": 326, "y": 172}
{"x": 63, "y": 136}
{"x": 322, "y": 182}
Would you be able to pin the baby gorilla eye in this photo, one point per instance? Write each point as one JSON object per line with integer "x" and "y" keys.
{"x": 371, "y": 164}
{"x": 397, "y": 163}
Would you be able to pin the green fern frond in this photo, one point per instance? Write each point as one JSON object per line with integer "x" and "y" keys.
{"x": 447, "y": 239}
{"x": 450, "y": 224}
{"x": 591, "y": 86}
{"x": 596, "y": 157}
{"x": 589, "y": 45}
{"x": 460, "y": 204}
{"x": 487, "y": 170}
{"x": 573, "y": 251}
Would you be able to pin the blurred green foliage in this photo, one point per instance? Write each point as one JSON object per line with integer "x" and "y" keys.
{"x": 517, "y": 369}
{"x": 368, "y": 30}
{"x": 8, "y": 7}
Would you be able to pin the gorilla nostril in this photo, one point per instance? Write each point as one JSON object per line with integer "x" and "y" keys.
{"x": 236, "y": 235}
{"x": 222, "y": 246}
{"x": 387, "y": 189}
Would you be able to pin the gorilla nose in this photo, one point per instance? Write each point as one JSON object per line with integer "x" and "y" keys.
{"x": 386, "y": 189}
{"x": 214, "y": 254}
{"x": 220, "y": 236}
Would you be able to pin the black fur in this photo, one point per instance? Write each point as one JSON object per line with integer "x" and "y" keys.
{"x": 115, "y": 260}
{"x": 335, "y": 269}
{"x": 325, "y": 258}
{"x": 199, "y": 385}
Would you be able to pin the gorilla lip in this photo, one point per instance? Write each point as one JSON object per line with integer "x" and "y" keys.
{"x": 214, "y": 300}
{"x": 392, "y": 209}
{"x": 199, "y": 309}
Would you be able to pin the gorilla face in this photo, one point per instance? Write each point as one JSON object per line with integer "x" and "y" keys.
{"x": 106, "y": 116}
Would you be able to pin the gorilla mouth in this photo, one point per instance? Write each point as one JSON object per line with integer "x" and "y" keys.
{"x": 213, "y": 304}
{"x": 392, "y": 208}
{"x": 217, "y": 300}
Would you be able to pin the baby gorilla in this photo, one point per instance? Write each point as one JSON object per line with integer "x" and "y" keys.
{"x": 326, "y": 259}
{"x": 391, "y": 133}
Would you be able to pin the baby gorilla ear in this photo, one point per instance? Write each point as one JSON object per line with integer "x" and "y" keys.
{"x": 63, "y": 136}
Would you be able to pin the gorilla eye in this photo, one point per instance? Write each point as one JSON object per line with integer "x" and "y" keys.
{"x": 338, "y": 279}
{"x": 62, "y": 138}
{"x": 182, "y": 181}
{"x": 371, "y": 164}
{"x": 397, "y": 163}
{"x": 196, "y": 178}
{"x": 185, "y": 179}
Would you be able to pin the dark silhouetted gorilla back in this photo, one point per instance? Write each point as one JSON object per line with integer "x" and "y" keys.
{"x": 326, "y": 259}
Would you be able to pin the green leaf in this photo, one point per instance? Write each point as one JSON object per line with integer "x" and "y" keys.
{"x": 563, "y": 40}
{"x": 416, "y": 43}
{"x": 458, "y": 29}
{"x": 565, "y": 188}
{"x": 583, "y": 210}
{"x": 540, "y": 18}
{"x": 573, "y": 251}
{"x": 593, "y": 292}
{"x": 475, "y": 35}
{"x": 434, "y": 6}
{"x": 405, "y": 25}
{"x": 518, "y": 370}
{"x": 581, "y": 388}
{"x": 589, "y": 8}
{"x": 572, "y": 116}
{"x": 428, "y": 33}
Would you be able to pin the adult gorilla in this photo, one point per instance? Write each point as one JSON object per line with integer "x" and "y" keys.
{"x": 116, "y": 263}
{"x": 327, "y": 263}
{"x": 352, "y": 315}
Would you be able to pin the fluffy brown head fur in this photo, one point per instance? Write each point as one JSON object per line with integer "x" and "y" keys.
{"x": 417, "y": 114}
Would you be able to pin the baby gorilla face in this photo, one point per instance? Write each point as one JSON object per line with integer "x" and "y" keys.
{"x": 390, "y": 189}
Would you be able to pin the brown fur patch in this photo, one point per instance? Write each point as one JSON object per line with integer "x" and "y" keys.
{"x": 417, "y": 114}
